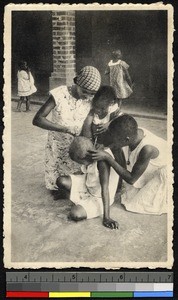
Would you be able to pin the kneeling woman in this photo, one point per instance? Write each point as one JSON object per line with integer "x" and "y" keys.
{"x": 69, "y": 107}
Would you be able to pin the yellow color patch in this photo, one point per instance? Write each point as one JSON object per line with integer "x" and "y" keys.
{"x": 69, "y": 294}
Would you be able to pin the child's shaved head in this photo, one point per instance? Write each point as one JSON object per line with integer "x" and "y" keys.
{"x": 79, "y": 149}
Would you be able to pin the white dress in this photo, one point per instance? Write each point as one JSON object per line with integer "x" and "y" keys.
{"x": 26, "y": 86}
{"x": 112, "y": 109}
{"x": 68, "y": 112}
{"x": 148, "y": 195}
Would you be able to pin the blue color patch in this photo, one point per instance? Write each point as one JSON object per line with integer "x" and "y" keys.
{"x": 153, "y": 294}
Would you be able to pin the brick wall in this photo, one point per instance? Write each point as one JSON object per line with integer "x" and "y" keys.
{"x": 63, "y": 39}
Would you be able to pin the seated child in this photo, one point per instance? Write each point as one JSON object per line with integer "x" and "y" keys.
{"x": 145, "y": 173}
{"x": 93, "y": 191}
{"x": 105, "y": 108}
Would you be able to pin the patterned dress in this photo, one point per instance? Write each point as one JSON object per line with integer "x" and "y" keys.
{"x": 117, "y": 79}
{"x": 68, "y": 112}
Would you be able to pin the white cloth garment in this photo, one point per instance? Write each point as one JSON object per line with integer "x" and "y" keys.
{"x": 148, "y": 195}
{"x": 86, "y": 189}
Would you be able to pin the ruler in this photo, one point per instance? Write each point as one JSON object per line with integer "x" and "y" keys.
{"x": 89, "y": 284}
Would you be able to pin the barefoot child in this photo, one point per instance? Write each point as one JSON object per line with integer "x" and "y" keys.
{"x": 93, "y": 191}
{"x": 119, "y": 76}
{"x": 26, "y": 85}
{"x": 144, "y": 175}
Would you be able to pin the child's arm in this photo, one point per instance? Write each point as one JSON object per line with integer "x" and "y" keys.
{"x": 86, "y": 129}
{"x": 148, "y": 152}
{"x": 104, "y": 172}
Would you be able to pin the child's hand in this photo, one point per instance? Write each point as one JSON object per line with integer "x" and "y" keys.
{"x": 73, "y": 130}
{"x": 98, "y": 155}
{"x": 108, "y": 222}
{"x": 102, "y": 128}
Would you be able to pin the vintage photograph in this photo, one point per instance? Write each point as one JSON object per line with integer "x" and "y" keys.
{"x": 88, "y": 136}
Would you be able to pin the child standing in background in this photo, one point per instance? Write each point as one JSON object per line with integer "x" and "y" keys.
{"x": 26, "y": 85}
{"x": 119, "y": 76}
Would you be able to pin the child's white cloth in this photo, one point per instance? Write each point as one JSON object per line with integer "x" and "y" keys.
{"x": 148, "y": 195}
{"x": 26, "y": 86}
{"x": 117, "y": 78}
{"x": 106, "y": 119}
{"x": 86, "y": 189}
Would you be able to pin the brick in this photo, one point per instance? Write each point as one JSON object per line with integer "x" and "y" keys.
{"x": 70, "y": 13}
{"x": 64, "y": 32}
{"x": 72, "y": 23}
{"x": 63, "y": 23}
{"x": 54, "y": 23}
{"x": 59, "y": 13}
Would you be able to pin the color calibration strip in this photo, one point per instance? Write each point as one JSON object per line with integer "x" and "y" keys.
{"x": 89, "y": 285}
{"x": 163, "y": 294}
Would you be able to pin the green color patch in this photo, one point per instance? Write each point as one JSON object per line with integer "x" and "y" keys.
{"x": 112, "y": 294}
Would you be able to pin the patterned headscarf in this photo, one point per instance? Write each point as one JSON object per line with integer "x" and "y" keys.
{"x": 88, "y": 78}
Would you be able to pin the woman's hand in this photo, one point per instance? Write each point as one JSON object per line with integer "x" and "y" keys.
{"x": 98, "y": 155}
{"x": 73, "y": 130}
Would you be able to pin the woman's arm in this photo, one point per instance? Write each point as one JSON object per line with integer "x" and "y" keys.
{"x": 41, "y": 121}
{"x": 148, "y": 152}
{"x": 104, "y": 172}
{"x": 86, "y": 129}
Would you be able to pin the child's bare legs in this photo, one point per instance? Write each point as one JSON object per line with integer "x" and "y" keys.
{"x": 27, "y": 104}
{"x": 64, "y": 184}
{"x": 20, "y": 103}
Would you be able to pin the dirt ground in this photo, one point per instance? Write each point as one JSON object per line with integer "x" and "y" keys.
{"x": 41, "y": 231}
